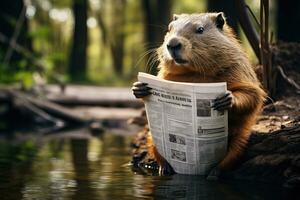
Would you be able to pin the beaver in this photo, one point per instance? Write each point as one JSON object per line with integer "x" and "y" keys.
{"x": 202, "y": 48}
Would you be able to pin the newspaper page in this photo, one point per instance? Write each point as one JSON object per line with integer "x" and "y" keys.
{"x": 186, "y": 131}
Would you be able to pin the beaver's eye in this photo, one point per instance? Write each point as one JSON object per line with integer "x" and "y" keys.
{"x": 200, "y": 30}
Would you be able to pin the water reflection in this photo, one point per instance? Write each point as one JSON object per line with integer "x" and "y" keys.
{"x": 79, "y": 151}
{"x": 95, "y": 168}
{"x": 196, "y": 187}
{"x": 15, "y": 163}
{"x": 188, "y": 187}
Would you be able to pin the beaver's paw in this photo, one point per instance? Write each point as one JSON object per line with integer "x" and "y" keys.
{"x": 166, "y": 169}
{"x": 140, "y": 90}
{"x": 214, "y": 174}
{"x": 223, "y": 102}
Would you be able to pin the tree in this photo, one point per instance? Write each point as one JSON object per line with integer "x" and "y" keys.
{"x": 226, "y": 6}
{"x": 117, "y": 39}
{"x": 113, "y": 31}
{"x": 288, "y": 19}
{"x": 14, "y": 28}
{"x": 157, "y": 16}
{"x": 78, "y": 58}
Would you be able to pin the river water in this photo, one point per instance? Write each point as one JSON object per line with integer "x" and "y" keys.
{"x": 71, "y": 167}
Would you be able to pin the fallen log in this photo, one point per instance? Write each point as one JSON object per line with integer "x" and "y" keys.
{"x": 51, "y": 108}
{"x": 74, "y": 95}
{"x": 23, "y": 111}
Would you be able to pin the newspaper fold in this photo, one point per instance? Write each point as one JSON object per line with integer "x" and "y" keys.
{"x": 186, "y": 131}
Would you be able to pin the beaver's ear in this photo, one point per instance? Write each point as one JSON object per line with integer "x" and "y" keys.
{"x": 220, "y": 20}
{"x": 175, "y": 17}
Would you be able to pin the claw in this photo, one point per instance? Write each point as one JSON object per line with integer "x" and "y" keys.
{"x": 166, "y": 169}
{"x": 223, "y": 102}
{"x": 140, "y": 89}
{"x": 138, "y": 84}
{"x": 222, "y": 106}
{"x": 142, "y": 94}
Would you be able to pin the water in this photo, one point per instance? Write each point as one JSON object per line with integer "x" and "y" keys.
{"x": 68, "y": 167}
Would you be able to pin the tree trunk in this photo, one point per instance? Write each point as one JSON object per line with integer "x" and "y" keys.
{"x": 157, "y": 15}
{"x": 118, "y": 35}
{"x": 9, "y": 17}
{"x": 163, "y": 18}
{"x": 77, "y": 63}
{"x": 228, "y": 8}
{"x": 248, "y": 27}
{"x": 288, "y": 19}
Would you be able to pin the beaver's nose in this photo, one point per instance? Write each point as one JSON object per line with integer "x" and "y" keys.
{"x": 174, "y": 44}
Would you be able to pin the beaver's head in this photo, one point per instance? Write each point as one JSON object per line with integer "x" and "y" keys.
{"x": 195, "y": 42}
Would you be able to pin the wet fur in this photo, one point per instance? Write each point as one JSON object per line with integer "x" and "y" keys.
{"x": 215, "y": 56}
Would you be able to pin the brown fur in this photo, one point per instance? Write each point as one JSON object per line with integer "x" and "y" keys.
{"x": 215, "y": 56}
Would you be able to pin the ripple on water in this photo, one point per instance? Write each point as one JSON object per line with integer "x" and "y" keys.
{"x": 97, "y": 168}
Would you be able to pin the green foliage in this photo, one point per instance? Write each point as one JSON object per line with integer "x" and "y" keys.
{"x": 189, "y": 6}
{"x": 40, "y": 33}
{"x": 25, "y": 77}
{"x": 51, "y": 41}
{"x": 16, "y": 72}
{"x": 61, "y": 3}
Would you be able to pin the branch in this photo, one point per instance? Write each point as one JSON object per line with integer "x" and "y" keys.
{"x": 248, "y": 27}
{"x": 253, "y": 16}
{"x": 287, "y": 79}
{"x": 16, "y": 46}
{"x": 15, "y": 36}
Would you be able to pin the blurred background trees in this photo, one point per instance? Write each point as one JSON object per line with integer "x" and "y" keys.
{"x": 117, "y": 32}
{"x": 105, "y": 42}
{"x": 14, "y": 39}
{"x": 157, "y": 14}
{"x": 228, "y": 8}
{"x": 77, "y": 62}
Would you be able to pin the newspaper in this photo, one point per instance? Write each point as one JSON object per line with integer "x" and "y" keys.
{"x": 186, "y": 131}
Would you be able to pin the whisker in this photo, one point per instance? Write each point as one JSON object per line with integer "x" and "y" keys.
{"x": 151, "y": 45}
{"x": 148, "y": 63}
{"x": 162, "y": 26}
{"x": 198, "y": 64}
{"x": 143, "y": 56}
{"x": 153, "y": 61}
